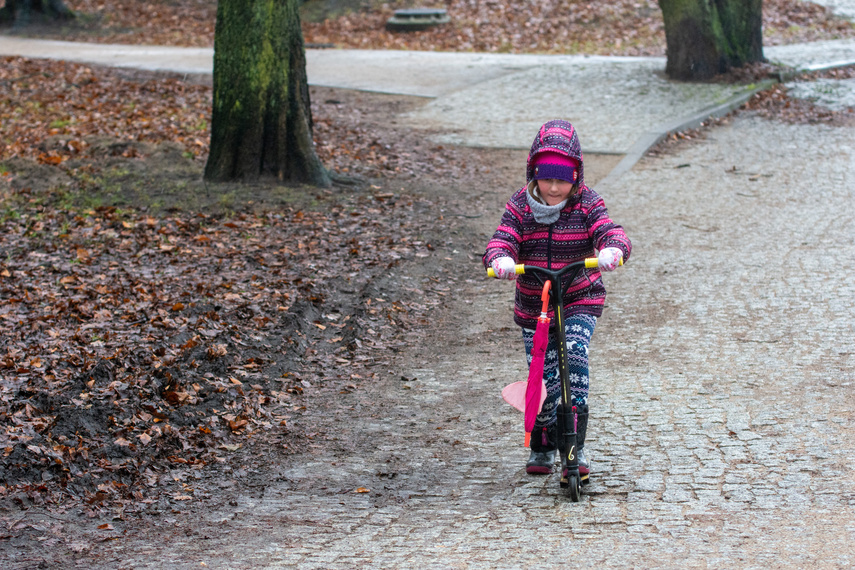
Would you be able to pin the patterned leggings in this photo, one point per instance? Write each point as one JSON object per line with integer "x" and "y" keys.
{"x": 578, "y": 329}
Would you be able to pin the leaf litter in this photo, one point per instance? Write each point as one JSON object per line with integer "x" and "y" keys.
{"x": 142, "y": 345}
{"x": 135, "y": 344}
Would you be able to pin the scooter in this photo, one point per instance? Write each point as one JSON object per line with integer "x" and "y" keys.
{"x": 571, "y": 480}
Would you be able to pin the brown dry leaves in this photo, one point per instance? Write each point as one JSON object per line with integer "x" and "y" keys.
{"x": 632, "y": 27}
{"x": 136, "y": 343}
{"x": 151, "y": 22}
{"x": 53, "y": 111}
{"x": 776, "y": 103}
{"x": 796, "y": 21}
{"x": 141, "y": 343}
{"x": 56, "y": 111}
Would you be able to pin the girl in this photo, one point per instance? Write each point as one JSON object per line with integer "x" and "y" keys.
{"x": 552, "y": 221}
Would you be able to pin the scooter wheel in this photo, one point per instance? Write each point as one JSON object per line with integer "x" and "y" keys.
{"x": 574, "y": 488}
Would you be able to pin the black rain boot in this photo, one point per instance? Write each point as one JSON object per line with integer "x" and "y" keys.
{"x": 543, "y": 450}
{"x": 581, "y": 430}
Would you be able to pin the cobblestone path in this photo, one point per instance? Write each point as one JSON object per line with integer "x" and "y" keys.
{"x": 722, "y": 427}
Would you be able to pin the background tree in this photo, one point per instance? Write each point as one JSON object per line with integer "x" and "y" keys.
{"x": 22, "y": 12}
{"x": 262, "y": 122}
{"x": 706, "y": 37}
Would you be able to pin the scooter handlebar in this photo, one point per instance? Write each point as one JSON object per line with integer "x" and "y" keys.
{"x": 590, "y": 263}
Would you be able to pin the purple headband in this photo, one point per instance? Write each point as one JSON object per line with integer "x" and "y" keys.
{"x": 556, "y": 166}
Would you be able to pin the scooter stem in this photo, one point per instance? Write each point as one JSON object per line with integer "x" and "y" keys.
{"x": 544, "y": 298}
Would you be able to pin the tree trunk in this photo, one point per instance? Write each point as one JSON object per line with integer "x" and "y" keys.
{"x": 21, "y": 13}
{"x": 707, "y": 37}
{"x": 262, "y": 122}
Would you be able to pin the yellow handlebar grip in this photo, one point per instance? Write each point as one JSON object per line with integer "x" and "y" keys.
{"x": 592, "y": 263}
{"x": 518, "y": 269}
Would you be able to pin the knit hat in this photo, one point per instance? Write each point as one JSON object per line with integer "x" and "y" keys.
{"x": 560, "y": 137}
{"x": 549, "y": 164}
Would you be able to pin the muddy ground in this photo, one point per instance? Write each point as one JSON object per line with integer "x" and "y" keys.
{"x": 447, "y": 196}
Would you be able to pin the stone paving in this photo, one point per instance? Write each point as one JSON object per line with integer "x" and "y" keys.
{"x": 835, "y": 95}
{"x": 613, "y": 102}
{"x": 722, "y": 429}
{"x": 815, "y": 55}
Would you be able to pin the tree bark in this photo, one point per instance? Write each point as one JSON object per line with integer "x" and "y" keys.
{"x": 21, "y": 13}
{"x": 262, "y": 122}
{"x": 707, "y": 37}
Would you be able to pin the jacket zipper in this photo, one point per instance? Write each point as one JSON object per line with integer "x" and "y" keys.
{"x": 549, "y": 249}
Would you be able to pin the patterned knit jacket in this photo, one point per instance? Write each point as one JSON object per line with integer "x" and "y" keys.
{"x": 582, "y": 228}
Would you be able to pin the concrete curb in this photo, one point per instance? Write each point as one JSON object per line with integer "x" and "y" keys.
{"x": 784, "y": 76}
{"x": 651, "y": 139}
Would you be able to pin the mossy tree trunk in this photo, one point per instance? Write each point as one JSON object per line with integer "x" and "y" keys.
{"x": 21, "y": 13}
{"x": 262, "y": 122}
{"x": 707, "y": 37}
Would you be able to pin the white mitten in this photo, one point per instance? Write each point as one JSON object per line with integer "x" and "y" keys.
{"x": 504, "y": 267}
{"x": 609, "y": 259}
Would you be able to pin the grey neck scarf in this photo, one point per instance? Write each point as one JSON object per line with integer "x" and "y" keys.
{"x": 543, "y": 214}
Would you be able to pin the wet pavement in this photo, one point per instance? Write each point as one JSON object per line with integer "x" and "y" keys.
{"x": 813, "y": 56}
{"x": 722, "y": 429}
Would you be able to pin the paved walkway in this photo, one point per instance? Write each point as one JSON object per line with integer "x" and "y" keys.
{"x": 622, "y": 105}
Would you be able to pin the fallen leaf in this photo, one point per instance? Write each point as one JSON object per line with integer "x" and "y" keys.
{"x": 237, "y": 424}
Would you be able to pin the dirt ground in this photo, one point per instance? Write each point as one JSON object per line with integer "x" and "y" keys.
{"x": 448, "y": 187}
{"x": 452, "y": 189}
